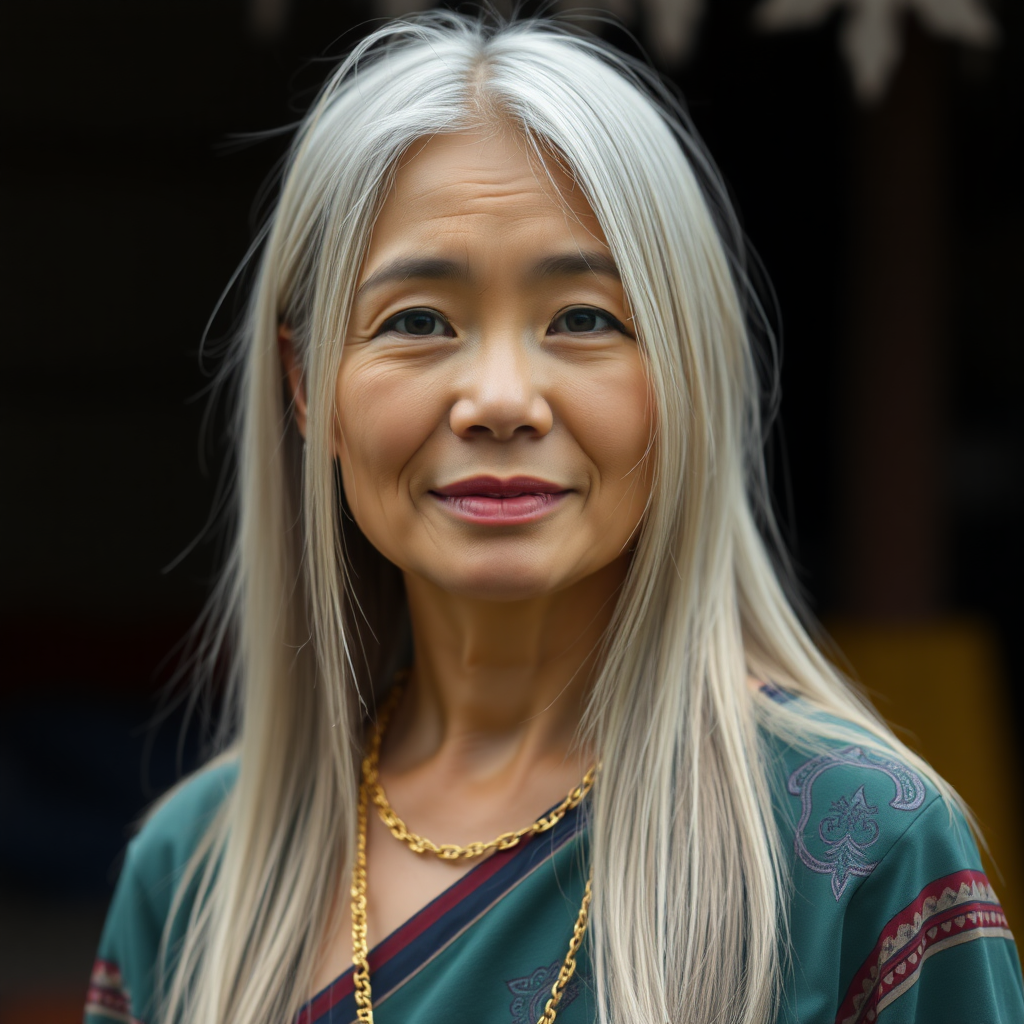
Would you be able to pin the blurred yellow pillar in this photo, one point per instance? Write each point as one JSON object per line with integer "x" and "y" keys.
{"x": 942, "y": 686}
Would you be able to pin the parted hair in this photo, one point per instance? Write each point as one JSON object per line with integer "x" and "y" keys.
{"x": 690, "y": 883}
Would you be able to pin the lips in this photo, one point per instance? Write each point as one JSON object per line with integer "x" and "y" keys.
{"x": 488, "y": 500}
{"x": 492, "y": 487}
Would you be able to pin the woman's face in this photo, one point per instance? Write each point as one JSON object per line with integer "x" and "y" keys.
{"x": 492, "y": 406}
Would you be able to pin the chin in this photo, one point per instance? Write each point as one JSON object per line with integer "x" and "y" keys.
{"x": 519, "y": 582}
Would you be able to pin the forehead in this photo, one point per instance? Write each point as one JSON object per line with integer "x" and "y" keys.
{"x": 462, "y": 188}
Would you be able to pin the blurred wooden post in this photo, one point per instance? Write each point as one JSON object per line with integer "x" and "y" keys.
{"x": 891, "y": 491}
{"x": 939, "y": 676}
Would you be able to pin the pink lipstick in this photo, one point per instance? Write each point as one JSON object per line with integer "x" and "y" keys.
{"x": 490, "y": 501}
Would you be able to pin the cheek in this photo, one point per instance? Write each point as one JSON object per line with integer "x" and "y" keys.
{"x": 612, "y": 420}
{"x": 383, "y": 418}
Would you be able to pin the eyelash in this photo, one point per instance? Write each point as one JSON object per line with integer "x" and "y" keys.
{"x": 613, "y": 323}
{"x": 389, "y": 325}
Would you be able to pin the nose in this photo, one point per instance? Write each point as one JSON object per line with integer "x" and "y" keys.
{"x": 500, "y": 394}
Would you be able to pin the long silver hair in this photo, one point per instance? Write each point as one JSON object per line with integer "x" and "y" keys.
{"x": 689, "y": 879}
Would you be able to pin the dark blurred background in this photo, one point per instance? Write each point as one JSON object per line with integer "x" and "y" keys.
{"x": 888, "y": 211}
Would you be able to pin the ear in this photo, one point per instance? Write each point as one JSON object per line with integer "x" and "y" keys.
{"x": 293, "y": 375}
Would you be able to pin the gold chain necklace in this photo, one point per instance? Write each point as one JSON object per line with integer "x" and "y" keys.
{"x": 450, "y": 851}
{"x": 370, "y": 787}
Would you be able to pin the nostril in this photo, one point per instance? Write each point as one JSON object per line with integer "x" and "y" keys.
{"x": 490, "y": 415}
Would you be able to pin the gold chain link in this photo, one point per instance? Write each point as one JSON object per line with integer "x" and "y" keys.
{"x": 361, "y": 975}
{"x": 569, "y": 963}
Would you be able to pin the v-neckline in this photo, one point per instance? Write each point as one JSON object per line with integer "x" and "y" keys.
{"x": 415, "y": 942}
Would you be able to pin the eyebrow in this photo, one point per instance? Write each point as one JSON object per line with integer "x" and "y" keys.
{"x": 438, "y": 269}
{"x": 573, "y": 263}
{"x": 404, "y": 267}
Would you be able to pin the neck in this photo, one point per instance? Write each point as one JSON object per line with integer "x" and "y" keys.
{"x": 496, "y": 682}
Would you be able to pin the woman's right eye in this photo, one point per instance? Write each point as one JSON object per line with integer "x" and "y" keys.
{"x": 417, "y": 323}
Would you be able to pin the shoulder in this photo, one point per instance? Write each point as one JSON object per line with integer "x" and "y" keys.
{"x": 176, "y": 824}
{"x": 885, "y": 875}
{"x": 125, "y": 972}
{"x": 157, "y": 856}
{"x": 845, "y": 801}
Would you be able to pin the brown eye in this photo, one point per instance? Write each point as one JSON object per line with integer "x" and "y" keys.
{"x": 418, "y": 323}
{"x": 584, "y": 320}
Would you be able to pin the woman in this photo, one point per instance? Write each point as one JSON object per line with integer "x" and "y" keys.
{"x": 498, "y": 550}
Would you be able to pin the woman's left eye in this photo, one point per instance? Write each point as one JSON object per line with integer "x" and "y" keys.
{"x": 584, "y": 320}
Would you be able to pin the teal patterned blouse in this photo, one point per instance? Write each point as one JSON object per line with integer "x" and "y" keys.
{"x": 892, "y": 918}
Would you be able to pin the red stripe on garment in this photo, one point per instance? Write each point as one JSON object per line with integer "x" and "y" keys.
{"x": 412, "y": 929}
{"x": 947, "y": 908}
{"x": 106, "y": 995}
{"x": 106, "y": 967}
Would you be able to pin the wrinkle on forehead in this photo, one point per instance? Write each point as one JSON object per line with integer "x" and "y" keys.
{"x": 481, "y": 185}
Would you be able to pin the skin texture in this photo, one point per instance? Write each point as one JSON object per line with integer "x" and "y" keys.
{"x": 506, "y": 618}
